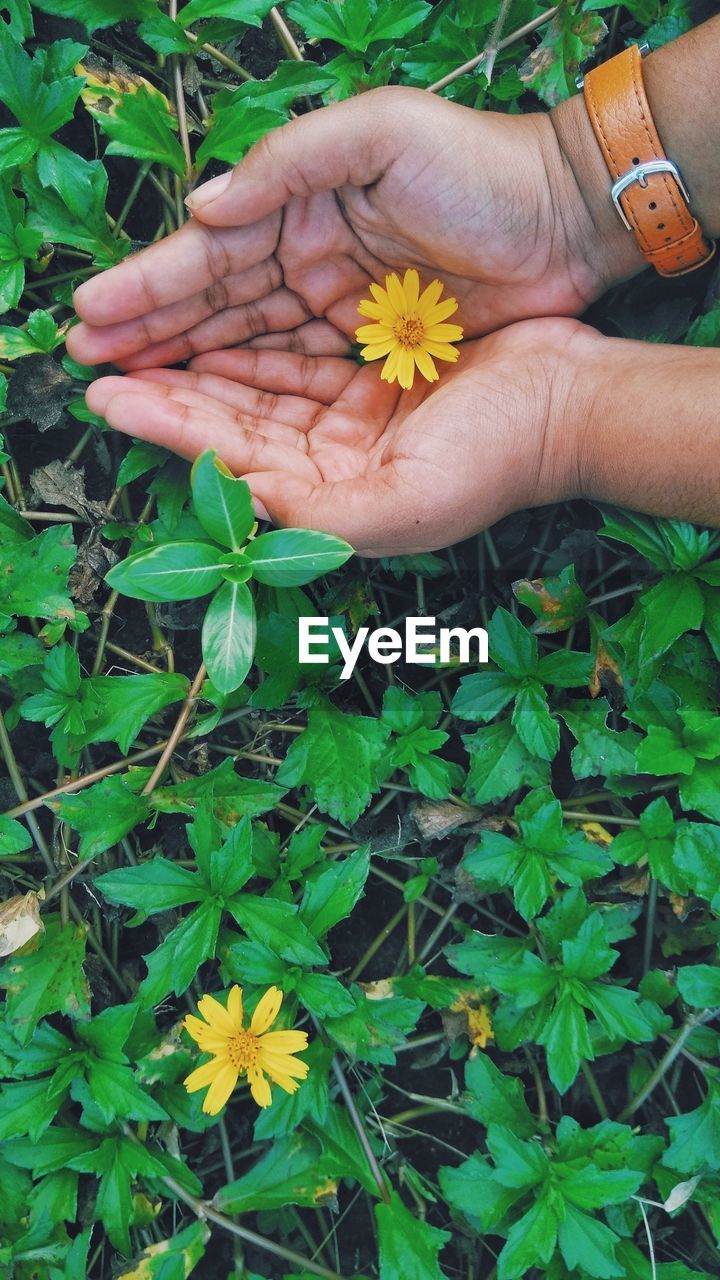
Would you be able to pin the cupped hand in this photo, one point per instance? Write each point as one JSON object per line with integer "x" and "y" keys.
{"x": 280, "y": 251}
{"x": 324, "y": 443}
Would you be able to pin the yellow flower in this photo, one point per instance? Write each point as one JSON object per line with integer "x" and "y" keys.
{"x": 255, "y": 1051}
{"x": 409, "y": 328}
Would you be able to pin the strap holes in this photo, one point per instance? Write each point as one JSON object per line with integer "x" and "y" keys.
{"x": 636, "y": 159}
{"x": 668, "y": 239}
{"x": 661, "y": 226}
{"x": 652, "y": 205}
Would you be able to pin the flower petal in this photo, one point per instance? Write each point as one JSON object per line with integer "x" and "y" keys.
{"x": 195, "y": 1027}
{"x": 389, "y": 370}
{"x": 441, "y": 350}
{"x": 411, "y": 287}
{"x": 220, "y": 1089}
{"x": 429, "y": 297}
{"x": 444, "y": 332}
{"x": 425, "y": 364}
{"x": 441, "y": 311}
{"x": 377, "y": 350}
{"x": 406, "y": 369}
{"x": 267, "y": 1011}
{"x": 396, "y": 294}
{"x": 375, "y": 310}
{"x": 216, "y": 1015}
{"x": 202, "y": 1076}
{"x": 282, "y": 1064}
{"x": 284, "y": 1041}
{"x": 373, "y": 333}
{"x": 285, "y": 1082}
{"x": 380, "y": 295}
{"x": 260, "y": 1088}
{"x": 235, "y": 1006}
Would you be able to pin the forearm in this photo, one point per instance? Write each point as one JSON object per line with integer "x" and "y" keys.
{"x": 681, "y": 81}
{"x": 646, "y": 421}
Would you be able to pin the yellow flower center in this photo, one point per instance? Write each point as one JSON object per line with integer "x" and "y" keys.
{"x": 243, "y": 1050}
{"x": 409, "y": 331}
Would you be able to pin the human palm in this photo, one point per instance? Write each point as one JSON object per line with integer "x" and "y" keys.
{"x": 325, "y": 443}
{"x": 340, "y": 197}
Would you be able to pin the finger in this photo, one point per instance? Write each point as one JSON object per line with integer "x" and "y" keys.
{"x": 315, "y": 338}
{"x": 296, "y": 412}
{"x": 140, "y": 410}
{"x": 187, "y": 262}
{"x": 349, "y": 142}
{"x": 98, "y": 344}
{"x": 284, "y": 372}
{"x": 182, "y": 391}
{"x": 280, "y": 310}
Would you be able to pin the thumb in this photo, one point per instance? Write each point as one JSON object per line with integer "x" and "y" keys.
{"x": 349, "y": 142}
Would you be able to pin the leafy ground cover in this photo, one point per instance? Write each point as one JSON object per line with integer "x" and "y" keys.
{"x": 489, "y": 896}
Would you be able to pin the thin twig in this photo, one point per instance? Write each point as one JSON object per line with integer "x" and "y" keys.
{"x": 177, "y": 733}
{"x": 525, "y": 30}
{"x": 360, "y": 1130}
{"x": 284, "y": 35}
{"x": 693, "y": 1021}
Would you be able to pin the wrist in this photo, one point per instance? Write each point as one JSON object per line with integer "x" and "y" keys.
{"x": 601, "y": 251}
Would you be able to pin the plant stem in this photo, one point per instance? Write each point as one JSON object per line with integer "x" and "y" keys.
{"x": 691, "y": 1022}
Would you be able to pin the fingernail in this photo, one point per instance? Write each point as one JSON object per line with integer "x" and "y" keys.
{"x": 208, "y": 191}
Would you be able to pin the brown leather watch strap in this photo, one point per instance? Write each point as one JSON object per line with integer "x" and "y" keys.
{"x": 647, "y": 189}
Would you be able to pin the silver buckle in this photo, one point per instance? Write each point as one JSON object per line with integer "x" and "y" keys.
{"x": 640, "y": 175}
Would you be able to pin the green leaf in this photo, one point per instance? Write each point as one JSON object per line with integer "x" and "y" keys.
{"x": 127, "y": 702}
{"x": 236, "y": 125}
{"x": 292, "y": 557}
{"x": 27, "y": 1107}
{"x": 331, "y": 894}
{"x": 375, "y": 1028}
{"x": 670, "y": 608}
{"x": 499, "y": 764}
{"x": 294, "y": 1170}
{"x": 483, "y": 695}
{"x": 152, "y": 886}
{"x": 536, "y": 728}
{"x": 586, "y": 1242}
{"x": 408, "y": 1246}
{"x": 567, "y": 1041}
{"x": 695, "y": 1136}
{"x": 13, "y": 838}
{"x": 699, "y": 985}
{"x": 336, "y": 757}
{"x": 87, "y": 228}
{"x": 250, "y": 13}
{"x": 278, "y": 926}
{"x": 103, "y": 813}
{"x": 531, "y": 1240}
{"x": 232, "y": 797}
{"x": 117, "y": 1161}
{"x": 97, "y": 13}
{"x": 494, "y": 1098}
{"x": 173, "y": 571}
{"x": 599, "y": 750}
{"x": 35, "y": 573}
{"x": 228, "y": 636}
{"x": 222, "y": 503}
{"x": 173, "y": 965}
{"x": 511, "y": 644}
{"x": 140, "y": 125}
{"x": 49, "y": 980}
{"x": 357, "y": 23}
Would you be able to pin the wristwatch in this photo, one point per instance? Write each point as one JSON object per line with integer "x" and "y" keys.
{"x": 647, "y": 189}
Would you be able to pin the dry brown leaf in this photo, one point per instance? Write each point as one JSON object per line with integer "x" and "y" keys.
{"x": 20, "y": 924}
